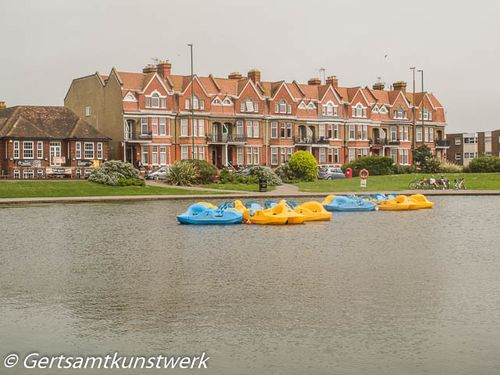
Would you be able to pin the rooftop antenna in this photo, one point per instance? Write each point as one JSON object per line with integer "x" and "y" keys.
{"x": 322, "y": 72}
{"x": 156, "y": 60}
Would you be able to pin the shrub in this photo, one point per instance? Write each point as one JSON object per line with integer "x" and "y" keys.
{"x": 403, "y": 169}
{"x": 183, "y": 173}
{"x": 226, "y": 176}
{"x": 303, "y": 166}
{"x": 245, "y": 179}
{"x": 446, "y": 166}
{"x": 206, "y": 171}
{"x": 114, "y": 171}
{"x": 485, "y": 164}
{"x": 284, "y": 172}
{"x": 259, "y": 172}
{"x": 376, "y": 165}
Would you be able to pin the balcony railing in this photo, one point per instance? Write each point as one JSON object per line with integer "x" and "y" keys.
{"x": 442, "y": 143}
{"x": 226, "y": 138}
{"x": 136, "y": 136}
{"x": 384, "y": 142}
{"x": 309, "y": 140}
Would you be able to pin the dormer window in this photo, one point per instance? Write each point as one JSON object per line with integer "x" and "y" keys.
{"x": 155, "y": 100}
{"x": 283, "y": 106}
{"x": 249, "y": 105}
{"x": 217, "y": 101}
{"x": 227, "y": 101}
{"x": 400, "y": 114}
{"x": 359, "y": 111}
{"x": 329, "y": 109}
{"x": 375, "y": 110}
{"x": 427, "y": 115}
{"x": 302, "y": 105}
{"x": 382, "y": 110}
{"x": 311, "y": 106}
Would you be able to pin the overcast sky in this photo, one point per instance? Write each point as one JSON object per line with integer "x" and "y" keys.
{"x": 45, "y": 44}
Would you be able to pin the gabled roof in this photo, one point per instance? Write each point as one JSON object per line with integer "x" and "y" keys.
{"x": 45, "y": 122}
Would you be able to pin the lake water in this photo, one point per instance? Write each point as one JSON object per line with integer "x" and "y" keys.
{"x": 367, "y": 293}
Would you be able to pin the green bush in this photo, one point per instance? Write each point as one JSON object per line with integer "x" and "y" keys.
{"x": 403, "y": 169}
{"x": 206, "y": 171}
{"x": 183, "y": 173}
{"x": 240, "y": 179}
{"x": 485, "y": 164}
{"x": 376, "y": 165}
{"x": 259, "y": 172}
{"x": 284, "y": 172}
{"x": 303, "y": 166}
{"x": 114, "y": 171}
{"x": 446, "y": 166}
{"x": 226, "y": 176}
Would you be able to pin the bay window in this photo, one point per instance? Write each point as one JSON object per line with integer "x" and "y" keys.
{"x": 163, "y": 126}
{"x": 154, "y": 125}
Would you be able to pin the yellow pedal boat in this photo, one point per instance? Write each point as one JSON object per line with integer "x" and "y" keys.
{"x": 400, "y": 203}
{"x": 313, "y": 211}
{"x": 208, "y": 204}
{"x": 278, "y": 215}
{"x": 418, "y": 201}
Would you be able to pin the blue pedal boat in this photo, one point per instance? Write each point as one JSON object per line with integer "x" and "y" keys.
{"x": 347, "y": 204}
{"x": 201, "y": 214}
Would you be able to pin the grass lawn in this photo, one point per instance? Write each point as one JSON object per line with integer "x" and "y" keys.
{"x": 71, "y": 188}
{"x": 239, "y": 187}
{"x": 473, "y": 181}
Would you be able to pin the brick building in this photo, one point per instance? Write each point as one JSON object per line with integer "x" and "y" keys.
{"x": 463, "y": 147}
{"x": 243, "y": 120}
{"x": 39, "y": 142}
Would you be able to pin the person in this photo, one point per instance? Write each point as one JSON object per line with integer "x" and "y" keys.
{"x": 432, "y": 182}
{"x": 455, "y": 184}
{"x": 444, "y": 182}
{"x": 461, "y": 184}
{"x": 138, "y": 164}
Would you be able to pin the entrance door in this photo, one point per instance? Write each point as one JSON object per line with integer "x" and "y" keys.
{"x": 55, "y": 154}
{"x": 130, "y": 155}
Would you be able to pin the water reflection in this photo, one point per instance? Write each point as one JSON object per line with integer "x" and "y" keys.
{"x": 379, "y": 293}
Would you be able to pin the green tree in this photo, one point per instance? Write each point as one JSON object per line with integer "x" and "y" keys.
{"x": 303, "y": 166}
{"x": 425, "y": 160}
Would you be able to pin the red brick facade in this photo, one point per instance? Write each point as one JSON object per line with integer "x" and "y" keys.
{"x": 246, "y": 121}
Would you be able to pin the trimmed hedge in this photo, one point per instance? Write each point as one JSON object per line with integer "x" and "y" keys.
{"x": 376, "y": 165}
{"x": 485, "y": 164}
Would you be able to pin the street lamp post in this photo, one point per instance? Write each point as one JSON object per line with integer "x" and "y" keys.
{"x": 421, "y": 71}
{"x": 413, "y": 113}
{"x": 192, "y": 103}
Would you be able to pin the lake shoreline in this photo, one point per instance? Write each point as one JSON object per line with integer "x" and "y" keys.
{"x": 135, "y": 198}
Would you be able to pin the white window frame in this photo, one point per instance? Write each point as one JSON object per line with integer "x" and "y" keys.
{"x": 16, "y": 150}
{"x": 88, "y": 111}
{"x": 32, "y": 150}
{"x": 162, "y": 126}
{"x": 39, "y": 150}
{"x": 256, "y": 131}
{"x": 201, "y": 127}
{"x": 100, "y": 154}
{"x": 184, "y": 127}
{"x": 78, "y": 150}
{"x": 155, "y": 159}
{"x": 274, "y": 156}
{"x": 145, "y": 154}
{"x": 86, "y": 152}
{"x": 274, "y": 130}
{"x": 144, "y": 126}
{"x": 184, "y": 152}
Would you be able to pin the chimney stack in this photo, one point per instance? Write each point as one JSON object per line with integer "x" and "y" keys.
{"x": 314, "y": 81}
{"x": 333, "y": 80}
{"x": 150, "y": 68}
{"x": 399, "y": 86}
{"x": 164, "y": 68}
{"x": 254, "y": 75}
{"x": 234, "y": 75}
{"x": 2, "y": 105}
{"x": 378, "y": 86}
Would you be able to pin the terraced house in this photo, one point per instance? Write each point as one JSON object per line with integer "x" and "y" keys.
{"x": 158, "y": 117}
